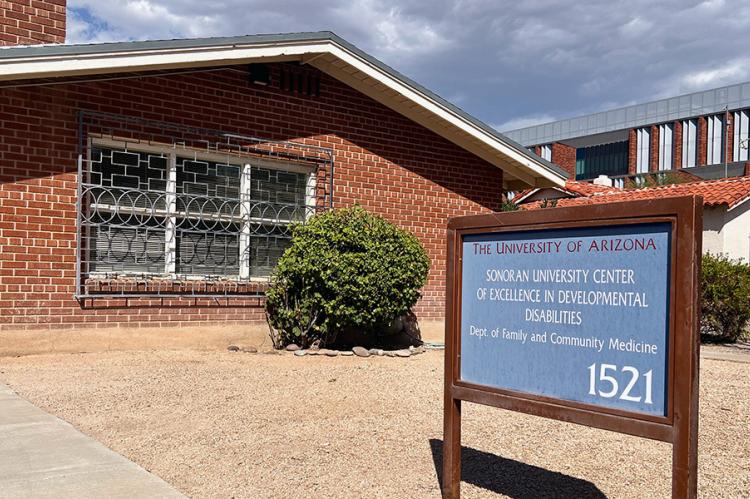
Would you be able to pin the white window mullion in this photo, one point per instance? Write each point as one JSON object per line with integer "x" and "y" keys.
{"x": 715, "y": 140}
{"x": 311, "y": 198}
{"x": 170, "y": 232}
{"x": 710, "y": 140}
{"x": 545, "y": 152}
{"x": 643, "y": 138}
{"x": 741, "y": 135}
{"x": 689, "y": 136}
{"x": 665, "y": 147}
{"x": 245, "y": 193}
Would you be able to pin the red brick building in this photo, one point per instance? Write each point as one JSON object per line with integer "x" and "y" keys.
{"x": 705, "y": 133}
{"x": 146, "y": 188}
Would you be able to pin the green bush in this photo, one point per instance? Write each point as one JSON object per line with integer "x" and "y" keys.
{"x": 725, "y": 298}
{"x": 345, "y": 269}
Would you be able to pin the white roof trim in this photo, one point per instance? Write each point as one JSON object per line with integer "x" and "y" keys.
{"x": 517, "y": 164}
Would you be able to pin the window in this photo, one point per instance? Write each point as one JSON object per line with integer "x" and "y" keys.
{"x": 665, "y": 146}
{"x": 689, "y": 143}
{"x": 715, "y": 140}
{"x": 603, "y": 159}
{"x": 546, "y": 152}
{"x": 172, "y": 212}
{"x": 643, "y": 138}
{"x": 741, "y": 135}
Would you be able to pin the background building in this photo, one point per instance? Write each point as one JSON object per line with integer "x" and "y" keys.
{"x": 704, "y": 133}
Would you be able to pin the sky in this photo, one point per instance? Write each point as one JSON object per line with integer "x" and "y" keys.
{"x": 509, "y": 63}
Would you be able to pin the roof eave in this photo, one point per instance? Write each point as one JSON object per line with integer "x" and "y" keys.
{"x": 349, "y": 64}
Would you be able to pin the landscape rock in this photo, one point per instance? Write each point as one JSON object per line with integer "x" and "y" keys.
{"x": 402, "y": 353}
{"x": 249, "y": 350}
{"x": 331, "y": 353}
{"x": 389, "y": 353}
{"x": 346, "y": 353}
{"x": 233, "y": 348}
{"x": 292, "y": 347}
{"x": 376, "y": 351}
{"x": 361, "y": 352}
{"x": 300, "y": 353}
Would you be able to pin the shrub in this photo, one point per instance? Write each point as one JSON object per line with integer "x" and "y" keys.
{"x": 345, "y": 269}
{"x": 725, "y": 298}
{"x": 509, "y": 205}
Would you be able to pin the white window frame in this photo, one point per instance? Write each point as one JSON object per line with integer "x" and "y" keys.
{"x": 244, "y": 161}
{"x": 643, "y": 150}
{"x": 715, "y": 139}
{"x": 689, "y": 143}
{"x": 666, "y": 146}
{"x": 545, "y": 152}
{"x": 741, "y": 135}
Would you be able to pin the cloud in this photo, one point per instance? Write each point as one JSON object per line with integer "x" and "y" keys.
{"x": 513, "y": 63}
{"x": 523, "y": 122}
{"x": 723, "y": 74}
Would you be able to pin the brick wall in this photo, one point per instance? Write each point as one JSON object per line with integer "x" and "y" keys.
{"x": 653, "y": 165}
{"x": 27, "y": 22}
{"x": 632, "y": 151}
{"x": 702, "y": 141}
{"x": 565, "y": 157}
{"x": 384, "y": 161}
{"x": 677, "y": 145}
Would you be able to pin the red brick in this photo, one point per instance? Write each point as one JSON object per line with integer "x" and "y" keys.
{"x": 385, "y": 162}
{"x": 41, "y": 21}
{"x": 677, "y": 144}
{"x": 632, "y": 152}
{"x": 565, "y": 156}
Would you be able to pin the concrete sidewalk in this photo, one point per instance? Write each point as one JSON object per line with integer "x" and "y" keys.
{"x": 43, "y": 456}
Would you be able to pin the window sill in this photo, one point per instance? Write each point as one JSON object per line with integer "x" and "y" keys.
{"x": 164, "y": 286}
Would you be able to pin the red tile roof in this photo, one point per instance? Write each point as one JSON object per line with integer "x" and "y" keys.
{"x": 571, "y": 187}
{"x": 585, "y": 188}
{"x": 729, "y": 192}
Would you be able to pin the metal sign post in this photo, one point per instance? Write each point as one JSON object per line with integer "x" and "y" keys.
{"x": 583, "y": 314}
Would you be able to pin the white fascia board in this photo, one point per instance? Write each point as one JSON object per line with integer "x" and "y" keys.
{"x": 738, "y": 203}
{"x": 538, "y": 170}
{"x": 527, "y": 195}
{"x": 70, "y": 65}
{"x": 80, "y": 64}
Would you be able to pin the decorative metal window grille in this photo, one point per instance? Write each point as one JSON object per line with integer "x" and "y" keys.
{"x": 165, "y": 210}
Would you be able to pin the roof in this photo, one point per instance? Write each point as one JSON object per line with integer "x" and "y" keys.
{"x": 726, "y": 192}
{"x": 572, "y": 188}
{"x": 680, "y": 107}
{"x": 323, "y": 50}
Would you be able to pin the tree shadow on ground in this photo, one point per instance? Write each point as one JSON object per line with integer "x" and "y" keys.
{"x": 512, "y": 478}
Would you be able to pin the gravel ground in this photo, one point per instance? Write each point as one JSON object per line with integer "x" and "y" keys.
{"x": 218, "y": 424}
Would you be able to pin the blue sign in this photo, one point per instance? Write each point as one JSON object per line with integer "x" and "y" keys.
{"x": 574, "y": 314}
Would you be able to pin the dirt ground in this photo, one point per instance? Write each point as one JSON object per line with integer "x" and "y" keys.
{"x": 220, "y": 424}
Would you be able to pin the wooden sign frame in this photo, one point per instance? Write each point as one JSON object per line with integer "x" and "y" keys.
{"x": 680, "y": 426}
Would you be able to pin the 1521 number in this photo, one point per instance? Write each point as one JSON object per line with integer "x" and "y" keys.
{"x": 606, "y": 385}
